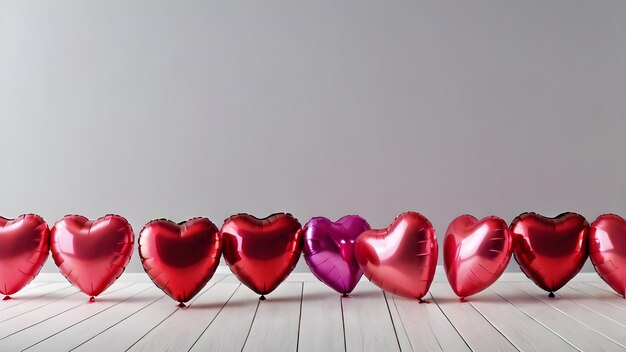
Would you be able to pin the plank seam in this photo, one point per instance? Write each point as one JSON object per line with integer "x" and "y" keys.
{"x": 215, "y": 317}
{"x": 89, "y": 317}
{"x": 564, "y": 313}
{"x": 175, "y": 310}
{"x": 47, "y": 304}
{"x": 251, "y": 324}
{"x": 393, "y": 325}
{"x": 300, "y": 318}
{"x": 50, "y": 317}
{"x": 449, "y": 321}
{"x": 537, "y": 321}
{"x": 495, "y": 327}
{"x": 112, "y": 326}
{"x": 403, "y": 326}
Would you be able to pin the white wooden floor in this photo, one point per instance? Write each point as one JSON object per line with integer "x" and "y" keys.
{"x": 304, "y": 315}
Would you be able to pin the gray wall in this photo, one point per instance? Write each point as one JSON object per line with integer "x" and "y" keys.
{"x": 206, "y": 108}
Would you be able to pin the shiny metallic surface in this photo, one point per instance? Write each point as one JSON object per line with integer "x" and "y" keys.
{"x": 329, "y": 250}
{"x": 607, "y": 250}
{"x": 24, "y": 248}
{"x": 92, "y": 254}
{"x": 475, "y": 253}
{"x": 402, "y": 258}
{"x": 550, "y": 251}
{"x": 180, "y": 258}
{"x": 261, "y": 252}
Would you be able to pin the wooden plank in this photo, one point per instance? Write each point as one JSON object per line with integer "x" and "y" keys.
{"x": 609, "y": 300}
{"x": 475, "y": 330}
{"x": 425, "y": 326}
{"x": 229, "y": 330}
{"x": 601, "y": 324}
{"x": 577, "y": 334}
{"x": 275, "y": 326}
{"x": 523, "y": 331}
{"x": 321, "y": 322}
{"x": 73, "y": 336}
{"x": 181, "y": 330}
{"x": 401, "y": 333}
{"x": 38, "y": 332}
{"x": 367, "y": 321}
{"x": 39, "y": 299}
{"x": 599, "y": 284}
{"x": 49, "y": 311}
{"x": 21, "y": 294}
{"x": 124, "y": 334}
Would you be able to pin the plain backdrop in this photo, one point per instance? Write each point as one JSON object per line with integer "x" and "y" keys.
{"x": 190, "y": 108}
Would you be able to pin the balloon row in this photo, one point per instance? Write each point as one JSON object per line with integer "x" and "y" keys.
{"x": 180, "y": 258}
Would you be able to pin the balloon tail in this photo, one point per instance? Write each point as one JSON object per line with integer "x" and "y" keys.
{"x": 181, "y": 305}
{"x": 463, "y": 300}
{"x": 6, "y": 298}
{"x": 92, "y": 299}
{"x": 423, "y": 301}
{"x": 345, "y": 295}
{"x": 551, "y": 295}
{"x": 262, "y": 298}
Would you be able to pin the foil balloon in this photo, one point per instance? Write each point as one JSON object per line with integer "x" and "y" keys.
{"x": 92, "y": 254}
{"x": 550, "y": 251}
{"x": 180, "y": 258}
{"x": 24, "y": 247}
{"x": 475, "y": 253}
{"x": 607, "y": 250}
{"x": 402, "y": 258}
{"x": 261, "y": 252}
{"x": 329, "y": 250}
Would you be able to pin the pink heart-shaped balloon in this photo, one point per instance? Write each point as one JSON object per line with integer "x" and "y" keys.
{"x": 24, "y": 247}
{"x": 402, "y": 258}
{"x": 607, "y": 250}
{"x": 92, "y": 254}
{"x": 329, "y": 250}
{"x": 475, "y": 253}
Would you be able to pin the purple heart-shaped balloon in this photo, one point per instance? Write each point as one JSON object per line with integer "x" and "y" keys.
{"x": 329, "y": 250}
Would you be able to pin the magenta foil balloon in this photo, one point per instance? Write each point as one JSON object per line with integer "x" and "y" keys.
{"x": 329, "y": 250}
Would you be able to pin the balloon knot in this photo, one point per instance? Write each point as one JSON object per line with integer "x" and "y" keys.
{"x": 463, "y": 300}
{"x": 551, "y": 295}
{"x": 92, "y": 299}
{"x": 181, "y": 305}
{"x": 423, "y": 301}
{"x": 262, "y": 298}
{"x": 6, "y": 298}
{"x": 345, "y": 295}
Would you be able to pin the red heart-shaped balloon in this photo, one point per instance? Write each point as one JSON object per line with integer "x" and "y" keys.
{"x": 402, "y": 258}
{"x": 475, "y": 253}
{"x": 550, "y": 251}
{"x": 607, "y": 250}
{"x": 262, "y": 252}
{"x": 92, "y": 254}
{"x": 24, "y": 247}
{"x": 180, "y": 258}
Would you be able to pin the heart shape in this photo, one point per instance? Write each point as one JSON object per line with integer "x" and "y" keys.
{"x": 402, "y": 258}
{"x": 261, "y": 252}
{"x": 607, "y": 250}
{"x": 180, "y": 258}
{"x": 92, "y": 254}
{"x": 475, "y": 253}
{"x": 550, "y": 251}
{"x": 24, "y": 247}
{"x": 329, "y": 250}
